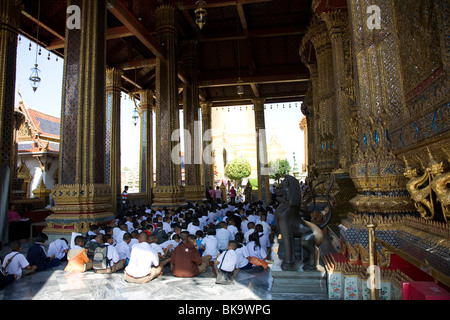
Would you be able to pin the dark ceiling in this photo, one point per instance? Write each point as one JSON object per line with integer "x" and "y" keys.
{"x": 263, "y": 35}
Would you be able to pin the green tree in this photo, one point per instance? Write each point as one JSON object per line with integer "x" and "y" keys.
{"x": 278, "y": 169}
{"x": 238, "y": 169}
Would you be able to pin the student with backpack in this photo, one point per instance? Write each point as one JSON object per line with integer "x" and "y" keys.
{"x": 106, "y": 259}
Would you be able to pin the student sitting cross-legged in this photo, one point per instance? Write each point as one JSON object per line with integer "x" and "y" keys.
{"x": 15, "y": 262}
{"x": 144, "y": 263}
{"x": 37, "y": 254}
{"x": 77, "y": 258}
{"x": 186, "y": 261}
{"x": 114, "y": 263}
{"x": 226, "y": 264}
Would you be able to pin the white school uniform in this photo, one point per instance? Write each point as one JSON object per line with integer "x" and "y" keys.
{"x": 244, "y": 227}
{"x": 167, "y": 228}
{"x": 211, "y": 246}
{"x": 247, "y": 235}
{"x": 57, "y": 248}
{"x": 233, "y": 230}
{"x": 192, "y": 229}
{"x": 120, "y": 236}
{"x": 112, "y": 255}
{"x": 266, "y": 227}
{"x": 229, "y": 263}
{"x": 165, "y": 244}
{"x": 223, "y": 237}
{"x": 123, "y": 250}
{"x": 17, "y": 263}
{"x": 130, "y": 226}
{"x": 142, "y": 258}
{"x": 132, "y": 243}
{"x": 256, "y": 251}
{"x": 157, "y": 248}
{"x": 242, "y": 254}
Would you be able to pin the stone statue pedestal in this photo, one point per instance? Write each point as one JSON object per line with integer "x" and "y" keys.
{"x": 312, "y": 284}
{"x": 298, "y": 281}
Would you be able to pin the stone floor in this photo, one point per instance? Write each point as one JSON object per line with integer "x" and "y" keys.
{"x": 55, "y": 284}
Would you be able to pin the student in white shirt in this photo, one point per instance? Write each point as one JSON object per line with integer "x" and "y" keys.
{"x": 123, "y": 230}
{"x": 267, "y": 229}
{"x": 59, "y": 248}
{"x": 244, "y": 225}
{"x": 18, "y": 265}
{"x": 251, "y": 229}
{"x": 163, "y": 254}
{"x": 242, "y": 253}
{"x": 166, "y": 225}
{"x": 129, "y": 223}
{"x": 134, "y": 239}
{"x": 226, "y": 264}
{"x": 115, "y": 263}
{"x": 223, "y": 236}
{"x": 172, "y": 243}
{"x": 193, "y": 227}
{"x": 144, "y": 263}
{"x": 232, "y": 227}
{"x": 254, "y": 247}
{"x": 123, "y": 249}
{"x": 263, "y": 239}
{"x": 210, "y": 244}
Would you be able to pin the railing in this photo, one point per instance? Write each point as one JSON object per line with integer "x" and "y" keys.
{"x": 437, "y": 275}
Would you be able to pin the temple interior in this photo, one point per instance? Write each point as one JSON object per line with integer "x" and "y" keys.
{"x": 372, "y": 77}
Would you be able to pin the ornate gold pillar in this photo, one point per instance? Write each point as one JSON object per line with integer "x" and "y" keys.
{"x": 346, "y": 120}
{"x": 146, "y": 150}
{"x": 10, "y": 13}
{"x": 112, "y": 139}
{"x": 168, "y": 190}
{"x": 325, "y": 114}
{"x": 347, "y": 125}
{"x": 207, "y": 156}
{"x": 82, "y": 196}
{"x": 194, "y": 190}
{"x": 376, "y": 172}
{"x": 261, "y": 152}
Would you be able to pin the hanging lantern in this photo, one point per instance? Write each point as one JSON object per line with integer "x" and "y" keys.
{"x": 200, "y": 14}
{"x": 240, "y": 87}
{"x": 35, "y": 80}
{"x": 135, "y": 117}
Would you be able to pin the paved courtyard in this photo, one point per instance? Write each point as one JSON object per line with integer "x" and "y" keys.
{"x": 56, "y": 284}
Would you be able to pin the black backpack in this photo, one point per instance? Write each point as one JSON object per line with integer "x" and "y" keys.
{"x": 161, "y": 236}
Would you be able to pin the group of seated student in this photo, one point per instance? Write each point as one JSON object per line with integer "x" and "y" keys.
{"x": 142, "y": 241}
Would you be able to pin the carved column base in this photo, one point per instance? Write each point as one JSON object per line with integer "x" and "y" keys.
{"x": 194, "y": 193}
{"x": 168, "y": 196}
{"x": 381, "y": 188}
{"x": 346, "y": 192}
{"x": 77, "y": 207}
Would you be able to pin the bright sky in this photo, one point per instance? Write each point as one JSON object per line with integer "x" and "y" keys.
{"x": 47, "y": 99}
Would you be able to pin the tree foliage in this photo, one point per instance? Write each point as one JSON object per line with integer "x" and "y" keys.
{"x": 238, "y": 169}
{"x": 278, "y": 169}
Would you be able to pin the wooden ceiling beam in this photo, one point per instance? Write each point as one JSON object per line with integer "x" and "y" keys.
{"x": 247, "y": 99}
{"x": 191, "y": 4}
{"x": 43, "y": 24}
{"x": 138, "y": 64}
{"x": 255, "y": 33}
{"x": 136, "y": 28}
{"x": 111, "y": 33}
{"x": 260, "y": 79}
